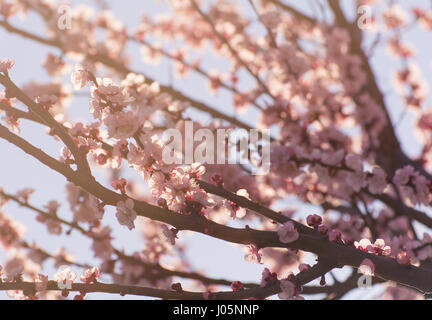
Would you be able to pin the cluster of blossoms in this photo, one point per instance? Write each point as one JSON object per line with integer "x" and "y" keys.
{"x": 179, "y": 191}
{"x": 170, "y": 234}
{"x": 126, "y": 110}
{"x": 126, "y": 214}
{"x": 287, "y": 232}
{"x": 411, "y": 85}
{"x": 317, "y": 181}
{"x": 6, "y": 65}
{"x": 102, "y": 246}
{"x": 53, "y": 225}
{"x": 379, "y": 247}
{"x": 414, "y": 188}
{"x": 55, "y": 65}
{"x": 268, "y": 277}
{"x": 85, "y": 207}
{"x": 395, "y": 17}
{"x": 424, "y": 17}
{"x": 17, "y": 269}
{"x": 367, "y": 267}
{"x": 53, "y": 96}
{"x": 253, "y": 254}
{"x": 404, "y": 250}
{"x": 11, "y": 232}
{"x": 233, "y": 209}
{"x": 290, "y": 289}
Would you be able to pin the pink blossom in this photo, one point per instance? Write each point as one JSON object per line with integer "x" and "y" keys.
{"x": 55, "y": 65}
{"x": 65, "y": 276}
{"x": 395, "y": 16}
{"x": 253, "y": 254}
{"x": 354, "y": 161}
{"x": 6, "y": 65}
{"x": 404, "y": 257}
{"x": 335, "y": 236}
{"x": 271, "y": 19}
{"x": 378, "y": 182}
{"x": 8, "y": 9}
{"x": 287, "y": 232}
{"x": 237, "y": 286}
{"x": 86, "y": 207}
{"x": 426, "y": 252}
{"x": 314, "y": 220}
{"x": 53, "y": 226}
{"x": 234, "y": 210}
{"x": 403, "y": 175}
{"x": 170, "y": 234}
{"x": 122, "y": 125}
{"x": 126, "y": 214}
{"x": 289, "y": 290}
{"x": 367, "y": 267}
{"x": 88, "y": 144}
{"x": 268, "y": 277}
{"x": 41, "y": 282}
{"x": 380, "y": 247}
{"x": 120, "y": 184}
{"x": 203, "y": 198}
{"x": 80, "y": 77}
{"x": 90, "y": 275}
{"x": 52, "y": 206}
{"x": 65, "y": 156}
{"x": 323, "y": 230}
{"x": 14, "y": 268}
{"x": 106, "y": 86}
{"x": 24, "y": 194}
{"x": 11, "y": 231}
{"x": 363, "y": 244}
{"x": 303, "y": 267}
{"x": 102, "y": 246}
{"x": 414, "y": 188}
{"x": 196, "y": 170}
{"x": 208, "y": 295}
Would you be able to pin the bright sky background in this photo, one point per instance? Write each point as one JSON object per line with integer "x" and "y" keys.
{"x": 217, "y": 258}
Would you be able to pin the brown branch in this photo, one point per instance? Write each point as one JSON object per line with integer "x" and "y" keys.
{"x": 353, "y": 262}
{"x": 155, "y": 267}
{"x": 13, "y": 91}
{"x": 334, "y": 291}
{"x": 50, "y": 42}
{"x": 19, "y": 114}
{"x": 390, "y": 155}
{"x": 258, "y": 292}
{"x": 246, "y": 203}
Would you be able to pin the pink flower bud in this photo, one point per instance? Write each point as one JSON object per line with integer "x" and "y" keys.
{"x": 314, "y": 220}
